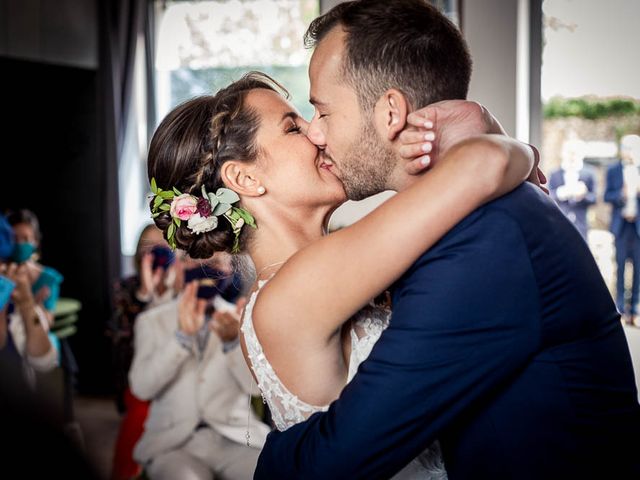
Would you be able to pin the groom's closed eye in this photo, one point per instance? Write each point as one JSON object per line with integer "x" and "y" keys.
{"x": 318, "y": 105}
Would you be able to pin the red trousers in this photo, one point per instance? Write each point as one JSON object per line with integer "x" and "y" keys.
{"x": 131, "y": 428}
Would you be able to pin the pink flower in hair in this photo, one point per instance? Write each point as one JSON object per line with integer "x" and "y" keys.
{"x": 184, "y": 206}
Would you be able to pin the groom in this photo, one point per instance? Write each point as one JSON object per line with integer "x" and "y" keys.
{"x": 504, "y": 344}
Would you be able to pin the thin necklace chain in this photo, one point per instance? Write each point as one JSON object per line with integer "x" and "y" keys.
{"x": 269, "y": 266}
{"x": 248, "y": 434}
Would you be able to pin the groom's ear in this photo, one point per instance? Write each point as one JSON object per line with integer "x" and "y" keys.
{"x": 391, "y": 111}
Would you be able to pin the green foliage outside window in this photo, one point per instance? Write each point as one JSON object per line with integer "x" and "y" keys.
{"x": 591, "y": 108}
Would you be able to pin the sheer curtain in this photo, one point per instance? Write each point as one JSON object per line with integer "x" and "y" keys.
{"x": 126, "y": 43}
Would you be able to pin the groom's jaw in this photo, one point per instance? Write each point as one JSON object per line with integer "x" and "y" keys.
{"x": 399, "y": 179}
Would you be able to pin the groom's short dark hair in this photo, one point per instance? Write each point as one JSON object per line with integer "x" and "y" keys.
{"x": 403, "y": 44}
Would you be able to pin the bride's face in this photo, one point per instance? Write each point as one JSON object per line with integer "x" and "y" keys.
{"x": 291, "y": 168}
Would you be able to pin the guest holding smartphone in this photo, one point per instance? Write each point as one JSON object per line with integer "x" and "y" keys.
{"x": 189, "y": 364}
{"x": 30, "y": 426}
{"x": 158, "y": 279}
{"x": 45, "y": 281}
{"x": 23, "y": 335}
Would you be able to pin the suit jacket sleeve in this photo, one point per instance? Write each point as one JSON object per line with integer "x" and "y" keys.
{"x": 466, "y": 317}
{"x": 613, "y": 190}
{"x": 157, "y": 356}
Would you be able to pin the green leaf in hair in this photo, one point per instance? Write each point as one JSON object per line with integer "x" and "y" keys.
{"x": 224, "y": 195}
{"x": 221, "y": 209}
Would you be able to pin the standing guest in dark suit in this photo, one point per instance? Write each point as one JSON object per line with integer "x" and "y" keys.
{"x": 573, "y": 186}
{"x": 623, "y": 187}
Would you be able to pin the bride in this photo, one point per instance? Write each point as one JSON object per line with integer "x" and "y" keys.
{"x": 234, "y": 172}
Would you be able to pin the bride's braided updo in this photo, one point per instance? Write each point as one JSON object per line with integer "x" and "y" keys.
{"x": 192, "y": 143}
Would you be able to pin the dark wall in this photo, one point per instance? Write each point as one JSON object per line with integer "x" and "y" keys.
{"x": 61, "y": 32}
{"x": 52, "y": 164}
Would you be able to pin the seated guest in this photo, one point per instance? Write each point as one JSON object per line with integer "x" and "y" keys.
{"x": 45, "y": 280}
{"x": 191, "y": 367}
{"x": 29, "y": 423}
{"x": 158, "y": 279}
{"x": 45, "y": 284}
{"x": 23, "y": 334}
{"x": 23, "y": 323}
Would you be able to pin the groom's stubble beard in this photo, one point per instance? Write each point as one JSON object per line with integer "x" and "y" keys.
{"x": 367, "y": 165}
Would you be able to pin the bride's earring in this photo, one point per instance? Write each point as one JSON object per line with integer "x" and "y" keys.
{"x": 261, "y": 190}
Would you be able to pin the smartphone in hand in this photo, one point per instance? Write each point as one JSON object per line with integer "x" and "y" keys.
{"x": 163, "y": 257}
{"x": 208, "y": 280}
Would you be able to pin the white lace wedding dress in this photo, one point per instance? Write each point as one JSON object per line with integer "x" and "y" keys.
{"x": 287, "y": 409}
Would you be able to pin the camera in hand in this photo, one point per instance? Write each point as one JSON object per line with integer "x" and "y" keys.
{"x": 163, "y": 257}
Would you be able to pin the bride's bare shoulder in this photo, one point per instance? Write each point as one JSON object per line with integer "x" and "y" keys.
{"x": 278, "y": 317}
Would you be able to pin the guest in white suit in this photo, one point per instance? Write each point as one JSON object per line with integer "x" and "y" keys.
{"x": 194, "y": 373}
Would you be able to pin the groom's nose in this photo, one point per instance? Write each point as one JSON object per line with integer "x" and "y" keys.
{"x": 315, "y": 134}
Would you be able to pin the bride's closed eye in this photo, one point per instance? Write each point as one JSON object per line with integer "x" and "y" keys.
{"x": 294, "y": 129}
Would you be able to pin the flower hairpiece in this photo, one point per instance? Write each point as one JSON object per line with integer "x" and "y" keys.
{"x": 200, "y": 213}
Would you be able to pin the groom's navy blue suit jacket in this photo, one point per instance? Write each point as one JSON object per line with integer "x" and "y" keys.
{"x": 505, "y": 345}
